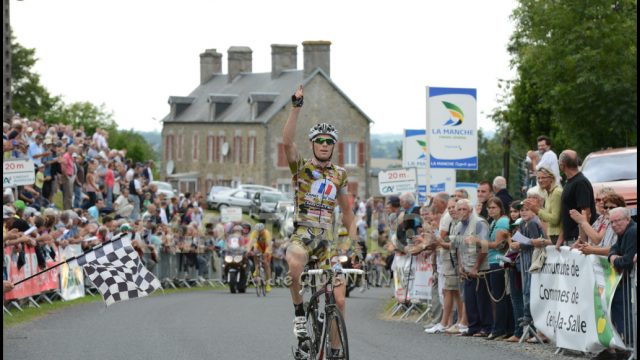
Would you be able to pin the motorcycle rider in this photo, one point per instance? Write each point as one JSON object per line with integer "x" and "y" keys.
{"x": 260, "y": 239}
{"x": 320, "y": 186}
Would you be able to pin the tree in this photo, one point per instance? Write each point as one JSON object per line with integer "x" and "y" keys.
{"x": 29, "y": 97}
{"x": 83, "y": 114}
{"x": 138, "y": 149}
{"x": 577, "y": 73}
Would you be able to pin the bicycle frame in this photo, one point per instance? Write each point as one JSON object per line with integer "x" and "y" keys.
{"x": 319, "y": 319}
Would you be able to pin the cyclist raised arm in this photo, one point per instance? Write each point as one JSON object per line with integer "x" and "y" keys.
{"x": 319, "y": 187}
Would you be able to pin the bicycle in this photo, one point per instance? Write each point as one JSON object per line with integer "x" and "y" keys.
{"x": 259, "y": 281}
{"x": 323, "y": 316}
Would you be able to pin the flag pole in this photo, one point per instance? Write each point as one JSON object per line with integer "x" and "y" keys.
{"x": 67, "y": 260}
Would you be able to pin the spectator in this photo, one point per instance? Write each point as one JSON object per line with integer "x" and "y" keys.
{"x": 469, "y": 234}
{"x": 461, "y": 194}
{"x": 577, "y": 194}
{"x": 621, "y": 256}
{"x": 122, "y": 206}
{"x": 485, "y": 192}
{"x": 550, "y": 214}
{"x": 409, "y": 220}
{"x": 67, "y": 176}
{"x": 500, "y": 189}
{"x": 598, "y": 238}
{"x": 36, "y": 150}
{"x": 545, "y": 157}
{"x": 502, "y": 326}
{"x": 96, "y": 209}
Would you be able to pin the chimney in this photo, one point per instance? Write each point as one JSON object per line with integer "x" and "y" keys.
{"x": 239, "y": 61}
{"x": 283, "y": 57}
{"x": 316, "y": 55}
{"x": 210, "y": 65}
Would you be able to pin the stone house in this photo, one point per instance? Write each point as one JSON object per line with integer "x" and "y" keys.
{"x": 228, "y": 131}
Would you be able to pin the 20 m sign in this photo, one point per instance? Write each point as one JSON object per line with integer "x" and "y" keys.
{"x": 17, "y": 173}
{"x": 395, "y": 182}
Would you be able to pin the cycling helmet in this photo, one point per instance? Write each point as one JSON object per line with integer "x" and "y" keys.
{"x": 323, "y": 128}
{"x": 237, "y": 228}
{"x": 259, "y": 227}
{"x": 343, "y": 231}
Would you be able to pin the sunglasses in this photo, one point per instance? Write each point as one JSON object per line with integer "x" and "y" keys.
{"x": 321, "y": 141}
{"x": 609, "y": 207}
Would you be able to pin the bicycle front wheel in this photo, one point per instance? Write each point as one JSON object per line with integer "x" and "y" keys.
{"x": 336, "y": 345}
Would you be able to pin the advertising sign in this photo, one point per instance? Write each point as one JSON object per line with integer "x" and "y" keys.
{"x": 452, "y": 128}
{"x": 230, "y": 214}
{"x": 396, "y": 182}
{"x": 18, "y": 172}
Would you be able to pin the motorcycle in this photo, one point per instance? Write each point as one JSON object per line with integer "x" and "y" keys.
{"x": 235, "y": 265}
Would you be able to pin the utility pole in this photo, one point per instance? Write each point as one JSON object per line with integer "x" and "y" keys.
{"x": 7, "y": 109}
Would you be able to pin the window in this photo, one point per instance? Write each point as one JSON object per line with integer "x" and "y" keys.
{"x": 251, "y": 150}
{"x": 285, "y": 188}
{"x": 350, "y": 154}
{"x": 180, "y": 147}
{"x": 169, "y": 147}
{"x": 221, "y": 142}
{"x": 237, "y": 149}
{"x": 195, "y": 143}
{"x": 211, "y": 147}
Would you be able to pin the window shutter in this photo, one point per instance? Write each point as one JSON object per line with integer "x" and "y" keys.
{"x": 255, "y": 146}
{"x": 248, "y": 148}
{"x": 282, "y": 158}
{"x": 361, "y": 155}
{"x": 341, "y": 154}
{"x": 240, "y": 150}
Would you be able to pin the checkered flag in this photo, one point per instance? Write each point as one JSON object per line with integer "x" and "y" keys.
{"x": 117, "y": 272}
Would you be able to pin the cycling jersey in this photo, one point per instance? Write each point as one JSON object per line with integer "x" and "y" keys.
{"x": 261, "y": 241}
{"x": 317, "y": 189}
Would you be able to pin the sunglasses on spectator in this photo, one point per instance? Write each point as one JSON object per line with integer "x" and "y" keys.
{"x": 609, "y": 207}
{"x": 321, "y": 141}
{"x": 598, "y": 199}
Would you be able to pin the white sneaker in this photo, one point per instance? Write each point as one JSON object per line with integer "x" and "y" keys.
{"x": 437, "y": 329}
{"x": 463, "y": 329}
{"x": 300, "y": 327}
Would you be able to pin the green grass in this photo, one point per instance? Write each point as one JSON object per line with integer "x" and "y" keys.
{"x": 32, "y": 313}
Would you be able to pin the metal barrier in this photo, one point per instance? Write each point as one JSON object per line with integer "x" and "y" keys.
{"x": 629, "y": 317}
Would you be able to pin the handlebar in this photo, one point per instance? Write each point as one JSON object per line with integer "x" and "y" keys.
{"x": 341, "y": 271}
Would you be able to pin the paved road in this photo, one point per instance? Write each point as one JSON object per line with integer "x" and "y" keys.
{"x": 219, "y": 325}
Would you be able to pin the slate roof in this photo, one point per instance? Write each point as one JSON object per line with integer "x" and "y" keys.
{"x": 258, "y": 85}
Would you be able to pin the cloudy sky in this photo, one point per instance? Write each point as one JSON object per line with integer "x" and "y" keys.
{"x": 133, "y": 55}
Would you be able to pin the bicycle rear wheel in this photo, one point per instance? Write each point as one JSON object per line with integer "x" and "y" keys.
{"x": 336, "y": 345}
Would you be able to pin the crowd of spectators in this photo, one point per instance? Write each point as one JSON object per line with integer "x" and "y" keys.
{"x": 472, "y": 248}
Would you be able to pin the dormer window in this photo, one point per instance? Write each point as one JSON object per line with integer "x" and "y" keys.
{"x": 218, "y": 104}
{"x": 179, "y": 103}
{"x": 260, "y": 102}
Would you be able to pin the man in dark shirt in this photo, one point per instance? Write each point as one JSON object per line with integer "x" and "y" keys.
{"x": 576, "y": 195}
{"x": 485, "y": 192}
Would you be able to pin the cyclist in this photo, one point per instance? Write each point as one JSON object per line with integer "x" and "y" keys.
{"x": 319, "y": 186}
{"x": 260, "y": 239}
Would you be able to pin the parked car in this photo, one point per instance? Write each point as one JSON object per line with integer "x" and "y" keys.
{"x": 255, "y": 187}
{"x": 214, "y": 190}
{"x": 615, "y": 168}
{"x": 264, "y": 204}
{"x": 232, "y": 197}
{"x": 165, "y": 188}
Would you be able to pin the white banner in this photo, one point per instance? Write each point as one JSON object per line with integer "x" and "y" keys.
{"x": 420, "y": 286}
{"x": 571, "y": 300}
{"x": 71, "y": 277}
{"x": 230, "y": 214}
{"x": 401, "y": 267}
{"x": 452, "y": 128}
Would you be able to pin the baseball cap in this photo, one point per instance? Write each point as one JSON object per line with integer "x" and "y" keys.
{"x": 20, "y": 205}
{"x": 393, "y": 200}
